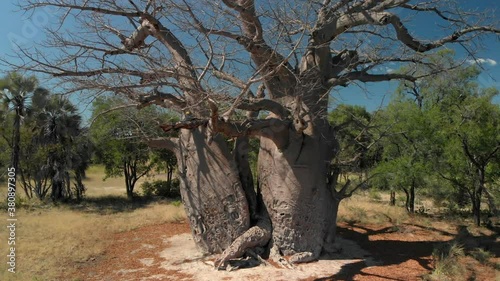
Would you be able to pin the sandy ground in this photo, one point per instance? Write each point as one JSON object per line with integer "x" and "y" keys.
{"x": 167, "y": 252}
{"x": 201, "y": 268}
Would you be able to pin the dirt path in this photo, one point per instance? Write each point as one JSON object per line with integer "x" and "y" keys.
{"x": 167, "y": 252}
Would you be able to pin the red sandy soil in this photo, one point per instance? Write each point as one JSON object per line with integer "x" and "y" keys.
{"x": 401, "y": 253}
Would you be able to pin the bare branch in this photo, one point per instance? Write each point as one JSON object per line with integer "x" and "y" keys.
{"x": 364, "y": 76}
{"x": 264, "y": 104}
{"x": 335, "y": 27}
{"x": 167, "y": 143}
{"x": 160, "y": 99}
{"x": 186, "y": 124}
{"x": 91, "y": 9}
{"x": 431, "y": 9}
{"x": 111, "y": 110}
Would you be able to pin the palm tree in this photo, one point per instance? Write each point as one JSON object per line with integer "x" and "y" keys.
{"x": 17, "y": 93}
{"x": 59, "y": 128}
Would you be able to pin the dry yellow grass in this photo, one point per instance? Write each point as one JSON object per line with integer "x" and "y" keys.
{"x": 96, "y": 186}
{"x": 361, "y": 209}
{"x": 52, "y": 239}
{"x": 48, "y": 241}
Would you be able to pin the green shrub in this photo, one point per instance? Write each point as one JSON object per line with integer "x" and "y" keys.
{"x": 147, "y": 189}
{"x": 161, "y": 188}
{"x": 175, "y": 189}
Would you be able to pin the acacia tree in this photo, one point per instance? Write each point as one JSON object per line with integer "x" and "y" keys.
{"x": 407, "y": 149}
{"x": 119, "y": 136}
{"x": 465, "y": 136}
{"x": 282, "y": 58}
{"x": 356, "y": 136}
{"x": 472, "y": 153}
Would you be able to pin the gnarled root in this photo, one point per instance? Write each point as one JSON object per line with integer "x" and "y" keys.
{"x": 303, "y": 257}
{"x": 257, "y": 236}
{"x": 275, "y": 256}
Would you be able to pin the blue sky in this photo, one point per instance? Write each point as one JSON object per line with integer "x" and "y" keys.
{"x": 15, "y": 25}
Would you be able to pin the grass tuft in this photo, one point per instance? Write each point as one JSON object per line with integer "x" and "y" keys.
{"x": 481, "y": 255}
{"x": 446, "y": 265}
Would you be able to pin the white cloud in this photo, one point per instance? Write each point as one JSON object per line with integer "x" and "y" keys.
{"x": 489, "y": 62}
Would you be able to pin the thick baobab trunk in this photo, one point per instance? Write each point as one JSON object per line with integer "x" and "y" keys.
{"x": 211, "y": 190}
{"x": 296, "y": 194}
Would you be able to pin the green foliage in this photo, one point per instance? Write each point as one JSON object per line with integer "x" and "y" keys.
{"x": 357, "y": 153}
{"x": 177, "y": 203}
{"x": 407, "y": 149}
{"x": 45, "y": 139}
{"x": 441, "y": 137}
{"x": 120, "y": 133}
{"x": 147, "y": 189}
{"x": 169, "y": 189}
{"x": 4, "y": 158}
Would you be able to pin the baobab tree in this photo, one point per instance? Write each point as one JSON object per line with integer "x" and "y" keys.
{"x": 276, "y": 60}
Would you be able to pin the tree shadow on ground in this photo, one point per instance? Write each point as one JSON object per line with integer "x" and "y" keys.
{"x": 394, "y": 252}
{"x": 112, "y": 204}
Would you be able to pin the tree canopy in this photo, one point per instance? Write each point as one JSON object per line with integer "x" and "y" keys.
{"x": 120, "y": 135}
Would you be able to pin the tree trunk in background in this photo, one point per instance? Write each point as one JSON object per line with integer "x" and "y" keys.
{"x": 392, "y": 201}
{"x": 477, "y": 196}
{"x": 407, "y": 201}
{"x": 170, "y": 173}
{"x": 16, "y": 143}
{"x": 476, "y": 209}
{"x": 128, "y": 180}
{"x": 412, "y": 198}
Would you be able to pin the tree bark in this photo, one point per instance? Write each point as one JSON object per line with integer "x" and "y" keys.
{"x": 392, "y": 201}
{"x": 407, "y": 201}
{"x": 412, "y": 197}
{"x": 211, "y": 190}
{"x": 476, "y": 209}
{"x": 128, "y": 179}
{"x": 16, "y": 142}
{"x": 477, "y": 196}
{"x": 295, "y": 193}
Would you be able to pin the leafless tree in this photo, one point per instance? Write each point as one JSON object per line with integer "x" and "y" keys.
{"x": 210, "y": 59}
